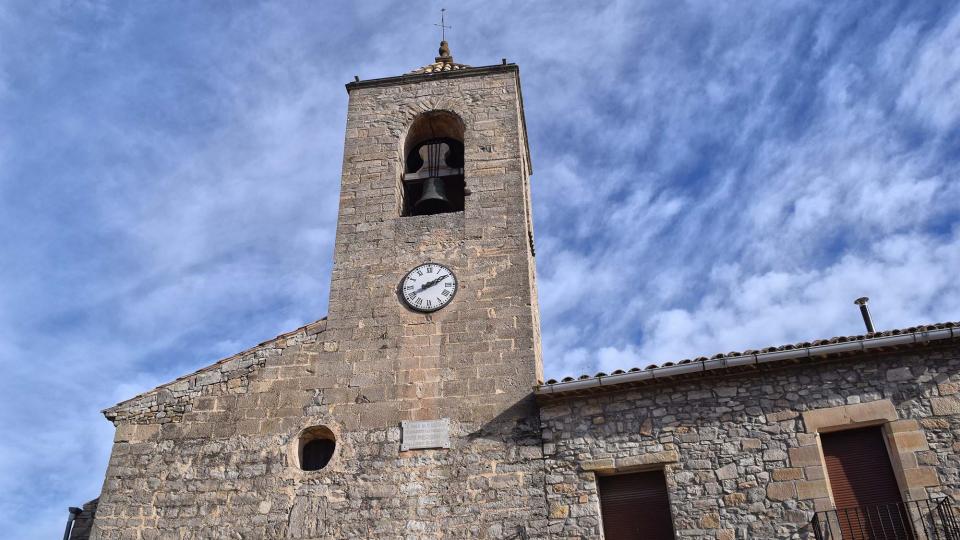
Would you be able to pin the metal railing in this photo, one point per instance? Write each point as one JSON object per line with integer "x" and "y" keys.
{"x": 930, "y": 519}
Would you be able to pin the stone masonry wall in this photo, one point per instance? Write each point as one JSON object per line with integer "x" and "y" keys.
{"x": 213, "y": 455}
{"x": 740, "y": 451}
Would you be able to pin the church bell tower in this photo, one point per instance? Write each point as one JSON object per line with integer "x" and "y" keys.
{"x": 436, "y": 182}
{"x": 433, "y": 304}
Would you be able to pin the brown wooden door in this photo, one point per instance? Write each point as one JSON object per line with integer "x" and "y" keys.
{"x": 635, "y": 506}
{"x": 864, "y": 487}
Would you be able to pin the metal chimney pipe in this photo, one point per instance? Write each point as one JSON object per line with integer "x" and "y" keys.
{"x": 862, "y": 302}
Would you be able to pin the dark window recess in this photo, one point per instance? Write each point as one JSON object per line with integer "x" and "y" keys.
{"x": 864, "y": 487}
{"x": 635, "y": 506}
{"x": 316, "y": 454}
{"x": 433, "y": 183}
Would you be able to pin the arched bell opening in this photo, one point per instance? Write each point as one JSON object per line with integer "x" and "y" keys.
{"x": 433, "y": 171}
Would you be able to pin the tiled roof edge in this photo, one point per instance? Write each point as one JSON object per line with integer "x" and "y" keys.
{"x": 900, "y": 337}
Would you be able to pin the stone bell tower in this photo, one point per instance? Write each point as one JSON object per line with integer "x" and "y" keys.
{"x": 408, "y": 411}
{"x": 481, "y": 351}
{"x": 436, "y": 171}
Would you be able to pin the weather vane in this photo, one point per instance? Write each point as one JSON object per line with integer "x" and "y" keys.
{"x": 443, "y": 27}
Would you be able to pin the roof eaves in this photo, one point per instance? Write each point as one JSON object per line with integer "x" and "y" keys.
{"x": 820, "y": 348}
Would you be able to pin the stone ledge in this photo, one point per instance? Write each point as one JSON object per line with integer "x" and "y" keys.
{"x": 631, "y": 463}
{"x": 833, "y": 418}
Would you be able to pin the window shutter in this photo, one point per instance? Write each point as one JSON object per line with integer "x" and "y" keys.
{"x": 635, "y": 506}
{"x": 859, "y": 468}
{"x": 864, "y": 487}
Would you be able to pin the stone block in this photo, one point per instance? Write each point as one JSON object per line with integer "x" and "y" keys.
{"x": 814, "y": 472}
{"x": 125, "y": 433}
{"x": 781, "y": 491}
{"x": 945, "y": 406}
{"x": 921, "y": 477}
{"x": 782, "y": 475}
{"x": 819, "y": 418}
{"x": 910, "y": 441}
{"x": 805, "y": 456}
{"x": 904, "y": 425}
{"x": 652, "y": 458}
{"x": 710, "y": 521}
{"x": 812, "y": 490}
{"x": 881, "y": 409}
{"x": 900, "y": 374}
{"x": 919, "y": 494}
{"x": 774, "y": 455}
{"x": 751, "y": 444}
{"x": 908, "y": 460}
{"x": 806, "y": 439}
{"x": 926, "y": 458}
{"x": 147, "y": 432}
{"x": 935, "y": 423}
{"x": 599, "y": 465}
{"x": 823, "y": 505}
{"x": 948, "y": 388}
{"x": 559, "y": 511}
{"x": 727, "y": 472}
{"x": 779, "y": 416}
{"x": 734, "y": 499}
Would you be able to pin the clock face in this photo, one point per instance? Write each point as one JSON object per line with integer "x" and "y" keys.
{"x": 428, "y": 287}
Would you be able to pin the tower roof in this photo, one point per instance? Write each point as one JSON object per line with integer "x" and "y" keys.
{"x": 444, "y": 62}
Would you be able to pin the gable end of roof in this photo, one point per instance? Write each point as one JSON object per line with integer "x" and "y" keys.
{"x": 168, "y": 402}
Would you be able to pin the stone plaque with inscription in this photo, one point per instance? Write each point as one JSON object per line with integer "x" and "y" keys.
{"x": 425, "y": 434}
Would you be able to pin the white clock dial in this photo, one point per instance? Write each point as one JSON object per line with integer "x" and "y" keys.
{"x": 428, "y": 287}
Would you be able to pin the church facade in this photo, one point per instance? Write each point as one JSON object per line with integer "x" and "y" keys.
{"x": 418, "y": 408}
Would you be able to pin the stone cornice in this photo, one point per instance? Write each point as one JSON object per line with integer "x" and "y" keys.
{"x": 423, "y": 77}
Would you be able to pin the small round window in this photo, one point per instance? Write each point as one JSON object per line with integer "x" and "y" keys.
{"x": 316, "y": 448}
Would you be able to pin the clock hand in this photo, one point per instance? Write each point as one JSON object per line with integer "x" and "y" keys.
{"x": 431, "y": 283}
{"x": 427, "y": 285}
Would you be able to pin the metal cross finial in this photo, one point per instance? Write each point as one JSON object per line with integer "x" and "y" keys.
{"x": 443, "y": 27}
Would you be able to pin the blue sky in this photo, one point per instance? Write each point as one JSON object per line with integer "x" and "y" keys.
{"x": 724, "y": 175}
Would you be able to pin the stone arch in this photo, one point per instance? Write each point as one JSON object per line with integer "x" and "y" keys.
{"x": 432, "y": 157}
{"x": 316, "y": 446}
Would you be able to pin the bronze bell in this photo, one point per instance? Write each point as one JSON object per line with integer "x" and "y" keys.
{"x": 433, "y": 200}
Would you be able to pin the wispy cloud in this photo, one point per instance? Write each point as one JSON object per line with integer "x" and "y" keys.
{"x": 784, "y": 178}
{"x": 709, "y": 177}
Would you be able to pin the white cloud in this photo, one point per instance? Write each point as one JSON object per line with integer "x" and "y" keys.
{"x": 933, "y": 83}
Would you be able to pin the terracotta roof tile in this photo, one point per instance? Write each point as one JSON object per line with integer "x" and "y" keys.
{"x": 441, "y": 63}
